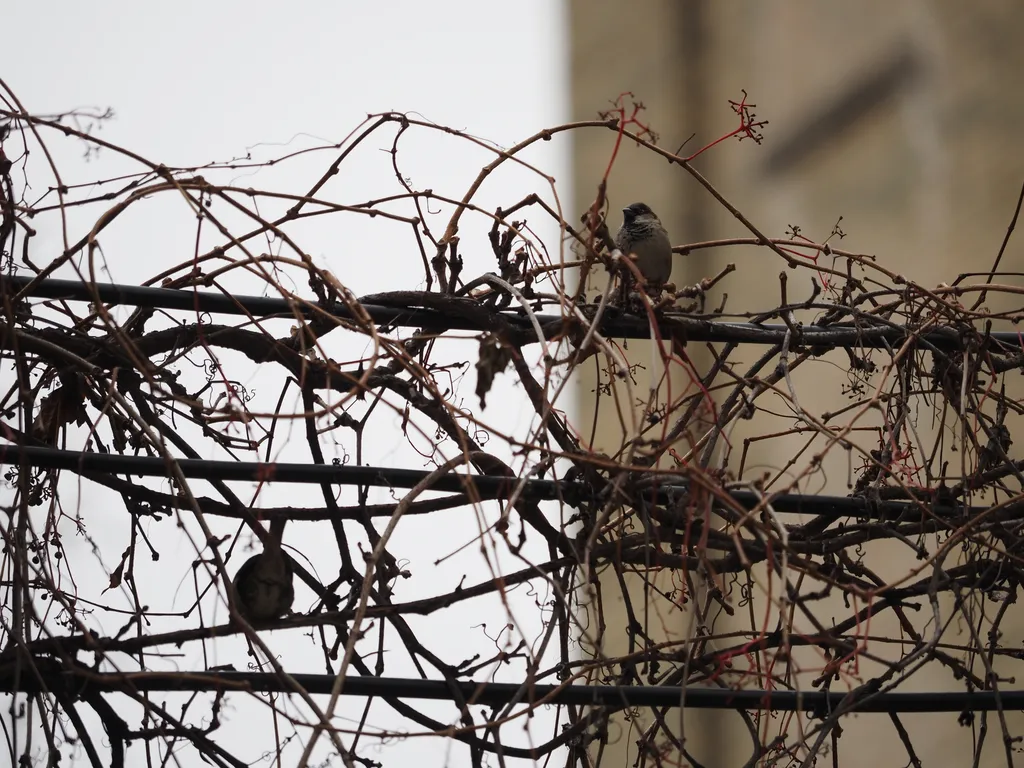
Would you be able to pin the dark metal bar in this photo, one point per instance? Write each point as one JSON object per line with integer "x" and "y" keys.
{"x": 54, "y": 676}
{"x": 617, "y": 326}
{"x": 391, "y": 477}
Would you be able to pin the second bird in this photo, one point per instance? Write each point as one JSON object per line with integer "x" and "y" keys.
{"x": 643, "y": 235}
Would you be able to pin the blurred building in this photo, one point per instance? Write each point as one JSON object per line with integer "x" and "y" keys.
{"x": 901, "y": 118}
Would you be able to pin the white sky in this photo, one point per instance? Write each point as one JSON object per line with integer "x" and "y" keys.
{"x": 197, "y": 82}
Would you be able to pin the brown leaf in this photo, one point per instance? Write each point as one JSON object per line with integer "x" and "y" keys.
{"x": 493, "y": 360}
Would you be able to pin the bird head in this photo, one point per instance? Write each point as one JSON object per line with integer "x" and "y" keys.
{"x": 635, "y": 211}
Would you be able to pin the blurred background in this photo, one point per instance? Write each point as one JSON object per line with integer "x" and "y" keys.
{"x": 901, "y": 118}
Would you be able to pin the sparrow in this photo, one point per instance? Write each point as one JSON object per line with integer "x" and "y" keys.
{"x": 643, "y": 237}
{"x": 263, "y": 585}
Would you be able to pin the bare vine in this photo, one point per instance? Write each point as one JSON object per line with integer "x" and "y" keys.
{"x": 179, "y": 422}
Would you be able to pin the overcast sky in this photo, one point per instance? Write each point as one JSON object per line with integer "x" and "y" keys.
{"x": 191, "y": 83}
